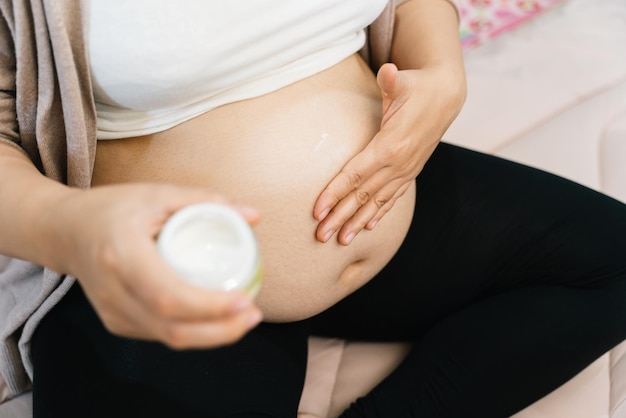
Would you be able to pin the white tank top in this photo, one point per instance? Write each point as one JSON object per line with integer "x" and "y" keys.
{"x": 157, "y": 63}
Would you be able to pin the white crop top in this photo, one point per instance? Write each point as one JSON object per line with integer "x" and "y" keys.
{"x": 157, "y": 63}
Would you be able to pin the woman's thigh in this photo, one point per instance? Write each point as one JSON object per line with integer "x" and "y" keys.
{"x": 83, "y": 370}
{"x": 510, "y": 282}
{"x": 484, "y": 226}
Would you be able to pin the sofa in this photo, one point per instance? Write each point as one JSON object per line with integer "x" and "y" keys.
{"x": 550, "y": 93}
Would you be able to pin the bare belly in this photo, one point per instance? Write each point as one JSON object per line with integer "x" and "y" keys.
{"x": 277, "y": 152}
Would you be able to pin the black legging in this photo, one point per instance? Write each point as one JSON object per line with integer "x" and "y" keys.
{"x": 510, "y": 282}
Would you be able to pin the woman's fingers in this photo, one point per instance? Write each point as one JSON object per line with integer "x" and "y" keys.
{"x": 363, "y": 165}
{"x": 158, "y": 287}
{"x": 346, "y": 193}
{"x": 214, "y": 333}
{"x": 414, "y": 117}
{"x": 135, "y": 293}
{"x": 369, "y": 183}
{"x": 357, "y": 209}
{"x": 125, "y": 315}
{"x": 147, "y": 300}
{"x": 387, "y": 207}
{"x": 349, "y": 179}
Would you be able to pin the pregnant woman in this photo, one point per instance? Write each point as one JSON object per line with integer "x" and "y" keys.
{"x": 320, "y": 122}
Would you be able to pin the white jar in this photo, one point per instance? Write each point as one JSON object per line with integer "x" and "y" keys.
{"x": 212, "y": 246}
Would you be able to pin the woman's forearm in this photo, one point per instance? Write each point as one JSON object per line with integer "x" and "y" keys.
{"x": 26, "y": 197}
{"x": 105, "y": 238}
{"x": 426, "y": 35}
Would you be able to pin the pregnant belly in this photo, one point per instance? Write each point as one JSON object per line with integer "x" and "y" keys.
{"x": 277, "y": 152}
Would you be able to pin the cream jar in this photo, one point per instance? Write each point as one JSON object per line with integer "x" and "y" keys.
{"x": 212, "y": 246}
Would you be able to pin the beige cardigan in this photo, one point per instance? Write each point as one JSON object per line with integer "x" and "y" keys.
{"x": 47, "y": 111}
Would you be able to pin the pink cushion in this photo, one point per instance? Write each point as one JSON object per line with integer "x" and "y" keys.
{"x": 485, "y": 19}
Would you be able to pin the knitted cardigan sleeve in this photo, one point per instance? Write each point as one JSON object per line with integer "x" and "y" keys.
{"x": 8, "y": 118}
{"x": 45, "y": 104}
{"x": 46, "y": 111}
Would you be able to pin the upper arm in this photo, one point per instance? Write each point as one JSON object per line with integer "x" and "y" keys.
{"x": 453, "y": 3}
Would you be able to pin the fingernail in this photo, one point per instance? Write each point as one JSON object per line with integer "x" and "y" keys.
{"x": 240, "y": 304}
{"x": 328, "y": 234}
{"x": 323, "y": 215}
{"x": 349, "y": 238}
{"x": 247, "y": 210}
{"x": 372, "y": 224}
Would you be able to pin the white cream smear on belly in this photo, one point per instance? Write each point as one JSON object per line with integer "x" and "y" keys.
{"x": 322, "y": 142}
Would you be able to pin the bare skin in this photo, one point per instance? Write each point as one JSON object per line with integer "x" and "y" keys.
{"x": 276, "y": 153}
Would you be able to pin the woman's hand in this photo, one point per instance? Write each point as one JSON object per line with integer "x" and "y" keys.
{"x": 418, "y": 107}
{"x": 108, "y": 237}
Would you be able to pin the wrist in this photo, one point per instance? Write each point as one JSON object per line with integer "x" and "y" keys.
{"x": 451, "y": 81}
{"x": 54, "y": 227}
{"x": 447, "y": 83}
